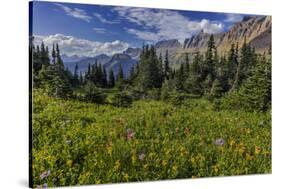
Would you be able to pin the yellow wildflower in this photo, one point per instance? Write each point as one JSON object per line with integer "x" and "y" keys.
{"x": 249, "y": 157}
{"x": 257, "y": 149}
{"x": 117, "y": 165}
{"x": 216, "y": 168}
{"x": 69, "y": 163}
{"x": 164, "y": 163}
{"x": 126, "y": 177}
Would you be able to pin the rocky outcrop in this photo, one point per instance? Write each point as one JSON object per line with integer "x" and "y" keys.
{"x": 255, "y": 30}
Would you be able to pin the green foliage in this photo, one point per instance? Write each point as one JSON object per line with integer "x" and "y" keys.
{"x": 177, "y": 98}
{"x": 216, "y": 90}
{"x": 154, "y": 94}
{"x": 93, "y": 94}
{"x": 150, "y": 74}
{"x": 165, "y": 90}
{"x": 121, "y": 99}
{"x": 111, "y": 82}
{"x": 85, "y": 143}
{"x": 256, "y": 91}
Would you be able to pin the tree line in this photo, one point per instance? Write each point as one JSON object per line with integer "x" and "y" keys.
{"x": 241, "y": 76}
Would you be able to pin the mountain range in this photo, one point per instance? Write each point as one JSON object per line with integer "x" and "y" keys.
{"x": 256, "y": 30}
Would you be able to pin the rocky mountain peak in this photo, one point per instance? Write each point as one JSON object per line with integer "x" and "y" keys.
{"x": 172, "y": 43}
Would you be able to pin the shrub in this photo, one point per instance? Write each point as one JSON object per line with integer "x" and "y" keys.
{"x": 153, "y": 94}
{"x": 121, "y": 99}
{"x": 177, "y": 98}
{"x": 93, "y": 94}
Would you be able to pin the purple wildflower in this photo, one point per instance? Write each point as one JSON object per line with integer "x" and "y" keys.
{"x": 130, "y": 134}
{"x": 45, "y": 174}
{"x": 45, "y": 185}
{"x": 219, "y": 142}
{"x": 141, "y": 156}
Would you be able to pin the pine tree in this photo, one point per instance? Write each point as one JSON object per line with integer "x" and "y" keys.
{"x": 186, "y": 66}
{"x": 58, "y": 57}
{"x": 216, "y": 90}
{"x": 88, "y": 73}
{"x": 232, "y": 63}
{"x": 53, "y": 55}
{"x": 193, "y": 84}
{"x": 111, "y": 82}
{"x": 209, "y": 64}
{"x": 132, "y": 75}
{"x": 255, "y": 93}
{"x": 75, "y": 82}
{"x": 223, "y": 74}
{"x": 244, "y": 66}
{"x": 81, "y": 79}
{"x": 120, "y": 75}
{"x": 167, "y": 70}
{"x": 179, "y": 78}
{"x": 36, "y": 61}
{"x": 120, "y": 78}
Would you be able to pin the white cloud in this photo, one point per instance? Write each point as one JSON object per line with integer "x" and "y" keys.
{"x": 70, "y": 45}
{"x": 165, "y": 24}
{"x": 104, "y": 20}
{"x": 99, "y": 30}
{"x": 75, "y": 12}
{"x": 232, "y": 18}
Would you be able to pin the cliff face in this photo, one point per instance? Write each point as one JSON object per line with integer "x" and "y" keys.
{"x": 256, "y": 30}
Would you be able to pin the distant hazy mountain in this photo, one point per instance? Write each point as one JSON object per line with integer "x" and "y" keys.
{"x": 124, "y": 59}
{"x": 134, "y": 53}
{"x": 108, "y": 62}
{"x": 73, "y": 58}
{"x": 83, "y": 63}
{"x": 256, "y": 30}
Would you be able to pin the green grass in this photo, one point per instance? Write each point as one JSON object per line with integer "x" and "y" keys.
{"x": 84, "y": 143}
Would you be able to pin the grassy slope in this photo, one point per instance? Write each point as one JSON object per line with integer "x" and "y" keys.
{"x": 84, "y": 143}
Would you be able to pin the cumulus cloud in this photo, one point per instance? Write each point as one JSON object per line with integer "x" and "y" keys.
{"x": 70, "y": 45}
{"x": 232, "y": 18}
{"x": 165, "y": 24}
{"x": 75, "y": 12}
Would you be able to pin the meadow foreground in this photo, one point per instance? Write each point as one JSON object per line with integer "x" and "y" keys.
{"x": 85, "y": 143}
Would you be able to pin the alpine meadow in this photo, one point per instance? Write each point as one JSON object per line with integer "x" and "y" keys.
{"x": 124, "y": 94}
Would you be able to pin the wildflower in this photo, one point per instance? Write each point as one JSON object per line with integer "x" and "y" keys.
{"x": 68, "y": 142}
{"x": 219, "y": 142}
{"x": 232, "y": 142}
{"x": 45, "y": 174}
{"x": 130, "y": 134}
{"x": 141, "y": 156}
{"x": 257, "y": 149}
{"x": 98, "y": 181}
{"x": 186, "y": 131}
{"x": 145, "y": 166}
{"x": 126, "y": 176}
{"x": 249, "y": 157}
{"x": 117, "y": 165}
{"x": 164, "y": 163}
{"x": 69, "y": 163}
{"x": 216, "y": 168}
{"x": 175, "y": 169}
{"x": 45, "y": 185}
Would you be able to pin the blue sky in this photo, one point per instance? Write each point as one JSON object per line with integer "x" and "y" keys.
{"x": 88, "y": 30}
